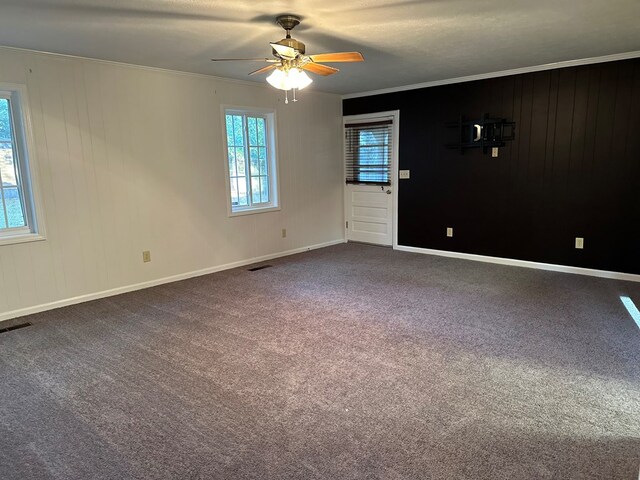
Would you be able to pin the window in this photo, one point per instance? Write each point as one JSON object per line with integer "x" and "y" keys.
{"x": 251, "y": 160}
{"x": 368, "y": 152}
{"x": 18, "y": 220}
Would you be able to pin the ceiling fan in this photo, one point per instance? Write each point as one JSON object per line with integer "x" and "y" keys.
{"x": 290, "y": 61}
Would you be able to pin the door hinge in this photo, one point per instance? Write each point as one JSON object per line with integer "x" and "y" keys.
{"x": 347, "y": 224}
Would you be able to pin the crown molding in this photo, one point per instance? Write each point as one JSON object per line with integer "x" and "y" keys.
{"x": 247, "y": 83}
{"x": 502, "y": 73}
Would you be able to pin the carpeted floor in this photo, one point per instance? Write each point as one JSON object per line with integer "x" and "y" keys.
{"x": 350, "y": 362}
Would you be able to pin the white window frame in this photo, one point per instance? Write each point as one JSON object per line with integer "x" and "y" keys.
{"x": 25, "y": 160}
{"x": 272, "y": 159}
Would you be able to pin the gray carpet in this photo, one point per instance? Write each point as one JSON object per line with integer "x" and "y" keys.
{"x": 350, "y": 362}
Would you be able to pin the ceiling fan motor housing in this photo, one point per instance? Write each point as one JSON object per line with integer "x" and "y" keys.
{"x": 293, "y": 43}
{"x": 289, "y": 22}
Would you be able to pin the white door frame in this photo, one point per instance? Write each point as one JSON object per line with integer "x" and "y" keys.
{"x": 395, "y": 116}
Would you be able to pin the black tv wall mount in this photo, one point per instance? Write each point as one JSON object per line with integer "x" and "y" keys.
{"x": 485, "y": 133}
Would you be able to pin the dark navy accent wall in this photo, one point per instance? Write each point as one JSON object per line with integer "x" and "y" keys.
{"x": 572, "y": 171}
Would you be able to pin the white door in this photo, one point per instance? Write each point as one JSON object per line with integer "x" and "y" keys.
{"x": 369, "y": 214}
{"x": 371, "y": 152}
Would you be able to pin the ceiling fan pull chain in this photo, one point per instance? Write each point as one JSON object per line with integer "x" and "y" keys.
{"x": 286, "y": 97}
{"x": 294, "y": 95}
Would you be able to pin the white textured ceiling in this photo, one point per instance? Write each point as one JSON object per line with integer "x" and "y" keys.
{"x": 404, "y": 42}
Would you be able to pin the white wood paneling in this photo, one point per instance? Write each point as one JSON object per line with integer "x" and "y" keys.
{"x": 130, "y": 159}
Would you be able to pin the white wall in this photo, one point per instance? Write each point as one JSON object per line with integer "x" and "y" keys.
{"x": 131, "y": 159}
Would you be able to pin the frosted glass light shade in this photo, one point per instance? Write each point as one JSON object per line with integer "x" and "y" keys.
{"x": 278, "y": 79}
{"x": 286, "y": 80}
{"x": 298, "y": 78}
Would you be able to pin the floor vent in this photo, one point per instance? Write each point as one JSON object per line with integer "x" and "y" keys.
{"x": 15, "y": 327}
{"x": 259, "y": 268}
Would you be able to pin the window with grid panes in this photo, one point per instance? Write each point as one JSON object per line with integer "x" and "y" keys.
{"x": 368, "y": 152}
{"x": 251, "y": 160}
{"x": 17, "y": 210}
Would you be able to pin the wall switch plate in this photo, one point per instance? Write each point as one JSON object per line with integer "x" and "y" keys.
{"x": 579, "y": 242}
{"x": 284, "y": 233}
{"x": 146, "y": 256}
{"x": 494, "y": 152}
{"x": 404, "y": 174}
{"x": 449, "y": 232}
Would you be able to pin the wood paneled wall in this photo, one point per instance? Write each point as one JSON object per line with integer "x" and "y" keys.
{"x": 131, "y": 159}
{"x": 573, "y": 170}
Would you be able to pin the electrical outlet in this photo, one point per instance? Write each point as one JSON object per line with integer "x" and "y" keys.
{"x": 494, "y": 152}
{"x": 284, "y": 233}
{"x": 579, "y": 242}
{"x": 449, "y": 232}
{"x": 146, "y": 256}
{"x": 404, "y": 174}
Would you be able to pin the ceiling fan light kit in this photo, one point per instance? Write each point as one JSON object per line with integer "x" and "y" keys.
{"x": 290, "y": 79}
{"x": 290, "y": 61}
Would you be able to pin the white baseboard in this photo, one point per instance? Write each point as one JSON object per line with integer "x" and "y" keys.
{"x": 524, "y": 263}
{"x": 152, "y": 283}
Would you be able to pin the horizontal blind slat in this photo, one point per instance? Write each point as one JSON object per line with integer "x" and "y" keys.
{"x": 368, "y": 152}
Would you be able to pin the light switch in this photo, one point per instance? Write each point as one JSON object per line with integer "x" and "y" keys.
{"x": 404, "y": 174}
{"x": 579, "y": 242}
{"x": 449, "y": 232}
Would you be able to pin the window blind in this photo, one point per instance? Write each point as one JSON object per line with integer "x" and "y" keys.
{"x": 368, "y": 152}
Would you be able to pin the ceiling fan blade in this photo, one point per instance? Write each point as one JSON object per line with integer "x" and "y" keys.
{"x": 337, "y": 57}
{"x": 263, "y": 69}
{"x": 284, "y": 51}
{"x": 320, "y": 69}
{"x": 244, "y": 60}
